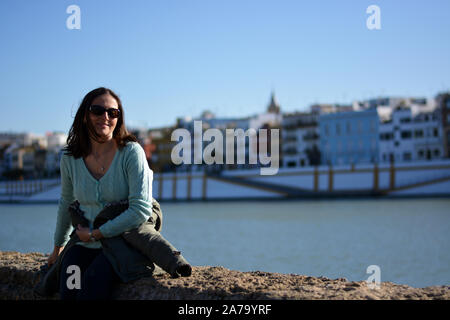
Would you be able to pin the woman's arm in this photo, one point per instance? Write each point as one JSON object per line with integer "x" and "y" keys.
{"x": 54, "y": 255}
{"x": 140, "y": 179}
{"x": 63, "y": 221}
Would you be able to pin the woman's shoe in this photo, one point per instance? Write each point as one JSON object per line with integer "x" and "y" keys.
{"x": 184, "y": 270}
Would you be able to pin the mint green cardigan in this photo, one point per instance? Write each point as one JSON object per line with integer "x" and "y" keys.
{"x": 128, "y": 177}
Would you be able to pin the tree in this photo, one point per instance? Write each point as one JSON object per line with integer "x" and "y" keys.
{"x": 313, "y": 155}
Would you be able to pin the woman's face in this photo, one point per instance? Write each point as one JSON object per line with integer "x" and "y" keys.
{"x": 103, "y": 124}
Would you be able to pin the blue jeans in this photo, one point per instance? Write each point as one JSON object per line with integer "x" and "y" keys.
{"x": 97, "y": 275}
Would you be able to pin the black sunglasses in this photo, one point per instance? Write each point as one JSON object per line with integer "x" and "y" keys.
{"x": 100, "y": 110}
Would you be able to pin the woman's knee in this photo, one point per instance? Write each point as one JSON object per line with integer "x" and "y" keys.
{"x": 73, "y": 265}
{"x": 98, "y": 280}
{"x": 70, "y": 273}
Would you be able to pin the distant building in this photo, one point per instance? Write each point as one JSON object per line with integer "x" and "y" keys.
{"x": 52, "y": 162}
{"x": 411, "y": 138}
{"x": 324, "y": 108}
{"x": 349, "y": 137}
{"x": 7, "y": 138}
{"x": 47, "y": 160}
{"x": 55, "y": 140}
{"x": 300, "y": 139}
{"x": 443, "y": 102}
{"x": 31, "y": 156}
{"x": 380, "y": 102}
{"x": 209, "y": 121}
{"x": 142, "y": 136}
{"x": 158, "y": 149}
{"x": 18, "y": 158}
{"x": 273, "y": 107}
{"x": 271, "y": 118}
{"x": 21, "y": 139}
{"x": 386, "y": 105}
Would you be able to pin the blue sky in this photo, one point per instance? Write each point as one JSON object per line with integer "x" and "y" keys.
{"x": 168, "y": 59}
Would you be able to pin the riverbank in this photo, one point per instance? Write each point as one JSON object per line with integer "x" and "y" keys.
{"x": 19, "y": 273}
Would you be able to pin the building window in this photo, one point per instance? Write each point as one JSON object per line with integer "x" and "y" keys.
{"x": 391, "y": 156}
{"x": 372, "y": 126}
{"x": 373, "y": 144}
{"x": 406, "y": 134}
{"x": 338, "y": 129}
{"x": 437, "y": 152}
{"x": 407, "y": 156}
{"x": 418, "y": 134}
{"x": 435, "y": 132}
{"x": 386, "y": 136}
{"x": 420, "y": 154}
{"x": 349, "y": 128}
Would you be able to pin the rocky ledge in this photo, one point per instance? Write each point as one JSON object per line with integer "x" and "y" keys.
{"x": 19, "y": 272}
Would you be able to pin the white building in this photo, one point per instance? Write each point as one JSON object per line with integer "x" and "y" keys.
{"x": 386, "y": 105}
{"x": 18, "y": 157}
{"x": 56, "y": 140}
{"x": 325, "y": 108}
{"x": 349, "y": 137}
{"x": 300, "y": 139}
{"x": 409, "y": 137}
{"x": 22, "y": 139}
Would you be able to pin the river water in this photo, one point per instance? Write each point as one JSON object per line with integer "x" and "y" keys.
{"x": 409, "y": 240}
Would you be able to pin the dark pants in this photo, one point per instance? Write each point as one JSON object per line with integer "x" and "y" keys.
{"x": 96, "y": 279}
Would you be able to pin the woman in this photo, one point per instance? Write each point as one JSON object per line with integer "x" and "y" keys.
{"x": 102, "y": 164}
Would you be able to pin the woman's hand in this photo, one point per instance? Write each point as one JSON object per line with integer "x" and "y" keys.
{"x": 86, "y": 236}
{"x": 83, "y": 233}
{"x": 54, "y": 255}
{"x": 97, "y": 234}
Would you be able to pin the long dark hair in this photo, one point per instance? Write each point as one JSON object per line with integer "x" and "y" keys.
{"x": 78, "y": 142}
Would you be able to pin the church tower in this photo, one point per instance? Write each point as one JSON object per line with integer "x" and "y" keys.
{"x": 273, "y": 107}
